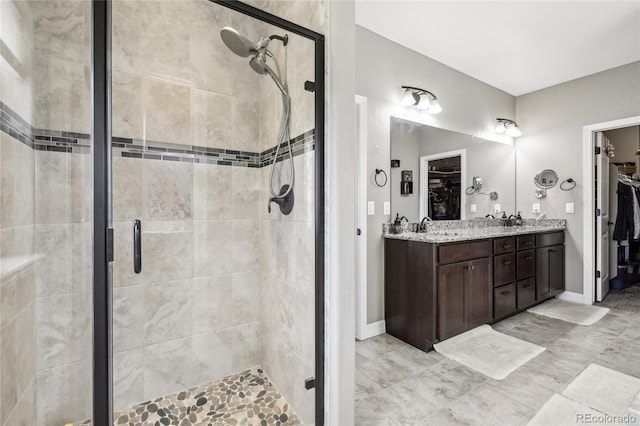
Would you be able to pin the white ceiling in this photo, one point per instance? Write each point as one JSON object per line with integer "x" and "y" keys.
{"x": 516, "y": 46}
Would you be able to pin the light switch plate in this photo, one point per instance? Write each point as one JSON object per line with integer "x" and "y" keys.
{"x": 535, "y": 208}
{"x": 569, "y": 208}
{"x": 496, "y": 208}
{"x": 387, "y": 207}
{"x": 371, "y": 208}
{"x": 474, "y": 208}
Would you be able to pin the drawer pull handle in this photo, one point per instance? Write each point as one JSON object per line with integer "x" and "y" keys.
{"x": 506, "y": 293}
{"x": 552, "y": 251}
{"x": 470, "y": 267}
{"x": 528, "y": 258}
{"x": 528, "y": 243}
{"x": 507, "y": 262}
{"x": 507, "y": 246}
{"x": 526, "y": 285}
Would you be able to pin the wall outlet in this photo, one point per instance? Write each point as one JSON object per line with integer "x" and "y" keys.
{"x": 569, "y": 208}
{"x": 474, "y": 208}
{"x": 371, "y": 208}
{"x": 387, "y": 207}
{"x": 496, "y": 208}
{"x": 535, "y": 208}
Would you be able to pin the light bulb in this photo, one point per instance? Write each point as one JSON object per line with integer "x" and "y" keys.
{"x": 500, "y": 128}
{"x": 513, "y": 130}
{"x": 435, "y": 107}
{"x": 424, "y": 102}
{"x": 408, "y": 98}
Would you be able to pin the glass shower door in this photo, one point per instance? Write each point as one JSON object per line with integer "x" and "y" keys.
{"x": 213, "y": 294}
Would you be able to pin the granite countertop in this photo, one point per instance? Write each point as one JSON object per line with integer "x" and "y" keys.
{"x": 453, "y": 231}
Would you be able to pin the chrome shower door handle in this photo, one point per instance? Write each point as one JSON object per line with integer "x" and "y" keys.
{"x": 137, "y": 246}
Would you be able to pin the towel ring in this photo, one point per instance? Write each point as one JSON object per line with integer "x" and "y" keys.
{"x": 571, "y": 184}
{"x": 380, "y": 171}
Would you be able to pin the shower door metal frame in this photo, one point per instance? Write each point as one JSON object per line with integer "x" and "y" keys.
{"x": 102, "y": 202}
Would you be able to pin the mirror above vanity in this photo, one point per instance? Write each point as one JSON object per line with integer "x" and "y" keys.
{"x": 448, "y": 175}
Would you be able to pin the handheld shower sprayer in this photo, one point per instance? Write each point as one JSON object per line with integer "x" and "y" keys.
{"x": 243, "y": 47}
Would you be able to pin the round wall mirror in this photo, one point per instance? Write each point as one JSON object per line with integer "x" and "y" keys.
{"x": 546, "y": 179}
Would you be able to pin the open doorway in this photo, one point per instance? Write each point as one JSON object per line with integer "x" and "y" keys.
{"x": 441, "y": 177}
{"x": 618, "y": 218}
{"x": 603, "y": 162}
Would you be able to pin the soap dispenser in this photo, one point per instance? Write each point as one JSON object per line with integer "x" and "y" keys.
{"x": 397, "y": 221}
{"x": 519, "y": 219}
{"x": 504, "y": 219}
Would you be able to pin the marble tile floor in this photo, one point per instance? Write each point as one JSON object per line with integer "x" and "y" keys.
{"x": 397, "y": 384}
{"x": 245, "y": 398}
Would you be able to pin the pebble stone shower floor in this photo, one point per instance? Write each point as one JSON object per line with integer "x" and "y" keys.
{"x": 245, "y": 398}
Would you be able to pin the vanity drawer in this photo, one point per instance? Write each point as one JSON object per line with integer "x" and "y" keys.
{"x": 551, "y": 239}
{"x": 526, "y": 242}
{"x": 505, "y": 269}
{"x": 526, "y": 264}
{"x": 468, "y": 250}
{"x": 504, "y": 245}
{"x": 526, "y": 293}
{"x": 504, "y": 300}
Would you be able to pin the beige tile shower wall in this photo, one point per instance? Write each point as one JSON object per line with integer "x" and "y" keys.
{"x": 192, "y": 314}
{"x": 174, "y": 79}
{"x": 63, "y": 286}
{"x": 63, "y": 213}
{"x": 17, "y": 207}
{"x": 288, "y": 242}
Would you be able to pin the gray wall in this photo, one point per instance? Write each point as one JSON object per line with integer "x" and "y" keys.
{"x": 552, "y": 121}
{"x": 469, "y": 106}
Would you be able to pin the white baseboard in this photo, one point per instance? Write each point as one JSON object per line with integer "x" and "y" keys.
{"x": 374, "y": 329}
{"x": 570, "y": 296}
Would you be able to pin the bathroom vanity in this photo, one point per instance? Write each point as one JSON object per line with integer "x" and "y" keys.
{"x": 441, "y": 283}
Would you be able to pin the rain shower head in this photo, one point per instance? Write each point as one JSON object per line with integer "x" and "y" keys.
{"x": 237, "y": 43}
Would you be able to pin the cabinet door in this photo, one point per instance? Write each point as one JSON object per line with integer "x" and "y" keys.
{"x": 549, "y": 271}
{"x": 556, "y": 269}
{"x": 451, "y": 289}
{"x": 478, "y": 297}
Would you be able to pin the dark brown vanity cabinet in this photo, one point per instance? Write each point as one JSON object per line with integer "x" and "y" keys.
{"x": 436, "y": 291}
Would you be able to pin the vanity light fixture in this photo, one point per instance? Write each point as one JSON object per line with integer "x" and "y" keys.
{"x": 421, "y": 99}
{"x": 508, "y": 127}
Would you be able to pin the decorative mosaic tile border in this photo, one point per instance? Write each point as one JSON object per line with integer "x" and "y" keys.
{"x": 246, "y": 398}
{"x": 52, "y": 140}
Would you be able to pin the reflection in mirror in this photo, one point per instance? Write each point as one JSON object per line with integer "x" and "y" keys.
{"x": 415, "y": 145}
{"x": 442, "y": 175}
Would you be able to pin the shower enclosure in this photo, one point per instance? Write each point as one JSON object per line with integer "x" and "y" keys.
{"x": 142, "y": 276}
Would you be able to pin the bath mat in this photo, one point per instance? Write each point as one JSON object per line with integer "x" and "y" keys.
{"x": 485, "y": 350}
{"x": 571, "y": 312}
{"x": 603, "y": 389}
{"x": 560, "y": 411}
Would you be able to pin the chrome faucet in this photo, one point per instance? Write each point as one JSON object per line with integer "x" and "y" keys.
{"x": 509, "y": 222}
{"x": 422, "y": 226}
{"x": 490, "y": 216}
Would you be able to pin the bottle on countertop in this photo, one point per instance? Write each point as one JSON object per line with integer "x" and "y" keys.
{"x": 519, "y": 219}
{"x": 397, "y": 221}
{"x": 504, "y": 219}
